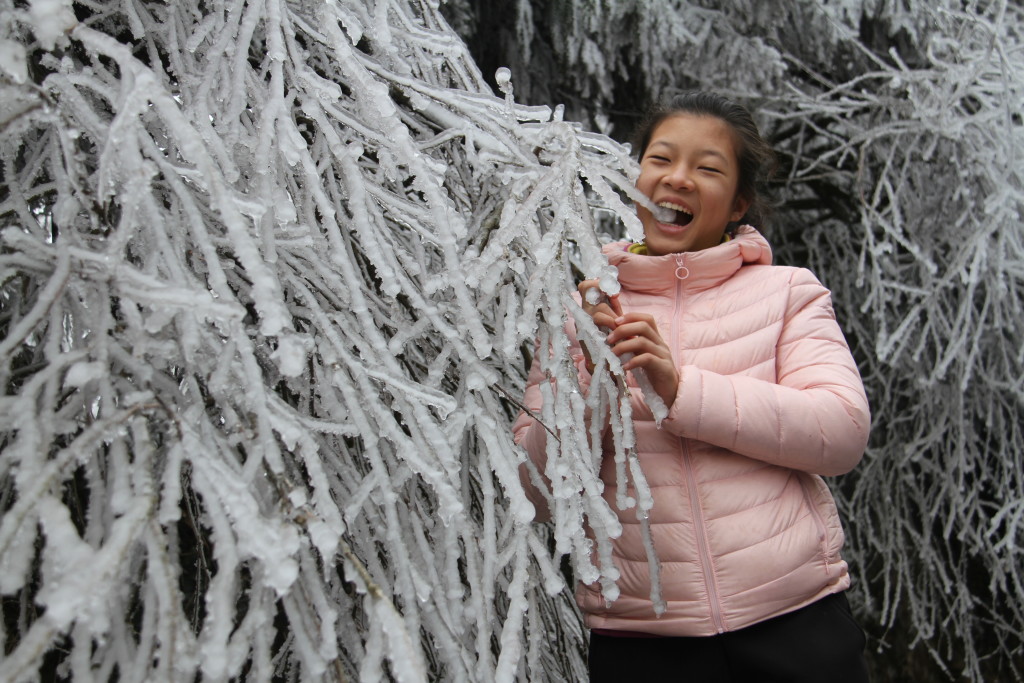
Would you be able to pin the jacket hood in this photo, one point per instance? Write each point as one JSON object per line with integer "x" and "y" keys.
{"x": 698, "y": 269}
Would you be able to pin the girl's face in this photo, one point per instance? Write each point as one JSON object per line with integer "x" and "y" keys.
{"x": 690, "y": 166}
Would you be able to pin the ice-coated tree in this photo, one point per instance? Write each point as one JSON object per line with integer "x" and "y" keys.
{"x": 271, "y": 270}
{"x": 902, "y": 160}
{"x": 269, "y": 273}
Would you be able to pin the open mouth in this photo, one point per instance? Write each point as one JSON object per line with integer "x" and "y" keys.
{"x": 675, "y": 214}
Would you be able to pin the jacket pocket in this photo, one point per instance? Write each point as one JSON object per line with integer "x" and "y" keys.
{"x": 809, "y": 486}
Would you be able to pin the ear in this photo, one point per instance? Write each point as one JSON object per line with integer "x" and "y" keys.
{"x": 739, "y": 208}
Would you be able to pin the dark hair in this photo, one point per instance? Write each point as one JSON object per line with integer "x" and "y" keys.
{"x": 754, "y": 155}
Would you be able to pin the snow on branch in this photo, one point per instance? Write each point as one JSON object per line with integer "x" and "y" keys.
{"x": 269, "y": 272}
{"x": 929, "y": 283}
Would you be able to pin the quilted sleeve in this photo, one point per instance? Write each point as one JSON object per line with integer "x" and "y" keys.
{"x": 815, "y": 418}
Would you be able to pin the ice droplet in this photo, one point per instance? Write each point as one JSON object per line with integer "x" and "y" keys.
{"x": 503, "y": 77}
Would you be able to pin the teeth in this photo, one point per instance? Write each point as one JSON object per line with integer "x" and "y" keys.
{"x": 670, "y": 212}
{"x": 675, "y": 207}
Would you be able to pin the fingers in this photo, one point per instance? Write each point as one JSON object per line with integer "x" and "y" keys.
{"x": 656, "y": 363}
{"x": 604, "y": 318}
{"x": 613, "y": 302}
{"x": 594, "y": 301}
{"x": 645, "y": 352}
{"x": 636, "y": 325}
{"x": 636, "y": 334}
{"x": 584, "y": 287}
{"x": 632, "y": 333}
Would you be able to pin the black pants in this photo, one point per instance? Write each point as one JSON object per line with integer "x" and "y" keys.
{"x": 818, "y": 643}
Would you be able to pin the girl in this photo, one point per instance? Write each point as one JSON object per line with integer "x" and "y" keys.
{"x": 763, "y": 400}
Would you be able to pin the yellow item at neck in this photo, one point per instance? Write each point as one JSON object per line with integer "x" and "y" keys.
{"x": 641, "y": 247}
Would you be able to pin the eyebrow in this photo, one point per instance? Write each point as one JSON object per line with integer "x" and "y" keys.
{"x": 704, "y": 152}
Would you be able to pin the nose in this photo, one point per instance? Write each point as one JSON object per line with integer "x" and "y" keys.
{"x": 679, "y": 177}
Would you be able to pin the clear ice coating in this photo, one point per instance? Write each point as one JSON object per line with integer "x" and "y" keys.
{"x": 659, "y": 212}
{"x": 303, "y": 362}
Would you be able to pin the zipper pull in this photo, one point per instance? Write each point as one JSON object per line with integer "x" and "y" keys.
{"x": 682, "y": 272}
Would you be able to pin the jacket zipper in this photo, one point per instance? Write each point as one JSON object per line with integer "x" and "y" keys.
{"x": 682, "y": 272}
{"x": 700, "y": 531}
{"x": 697, "y": 513}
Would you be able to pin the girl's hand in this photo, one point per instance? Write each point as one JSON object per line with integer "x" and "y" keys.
{"x": 637, "y": 333}
{"x": 634, "y": 333}
{"x": 604, "y": 312}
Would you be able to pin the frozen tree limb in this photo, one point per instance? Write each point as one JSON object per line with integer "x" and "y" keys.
{"x": 251, "y": 254}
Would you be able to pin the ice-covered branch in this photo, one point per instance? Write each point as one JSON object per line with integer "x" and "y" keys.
{"x": 268, "y": 272}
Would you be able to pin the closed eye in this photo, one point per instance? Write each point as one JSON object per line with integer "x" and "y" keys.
{"x": 711, "y": 169}
{"x": 656, "y": 157}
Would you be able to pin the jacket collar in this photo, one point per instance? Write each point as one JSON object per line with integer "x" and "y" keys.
{"x": 696, "y": 270}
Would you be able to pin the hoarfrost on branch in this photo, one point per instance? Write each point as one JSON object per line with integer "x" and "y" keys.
{"x": 270, "y": 270}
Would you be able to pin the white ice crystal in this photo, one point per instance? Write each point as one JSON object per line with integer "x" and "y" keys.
{"x": 256, "y": 339}
{"x": 51, "y": 19}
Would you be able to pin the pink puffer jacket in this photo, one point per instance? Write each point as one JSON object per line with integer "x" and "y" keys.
{"x": 769, "y": 398}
